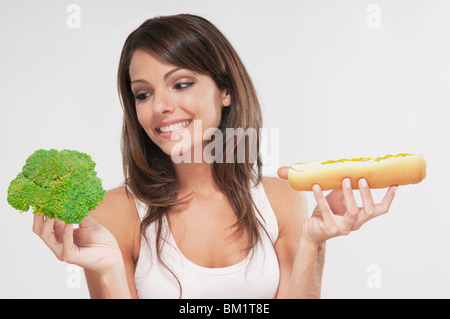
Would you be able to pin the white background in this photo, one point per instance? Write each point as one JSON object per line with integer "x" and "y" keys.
{"x": 334, "y": 87}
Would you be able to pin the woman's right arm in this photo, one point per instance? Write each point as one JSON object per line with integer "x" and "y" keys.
{"x": 104, "y": 245}
{"x": 118, "y": 214}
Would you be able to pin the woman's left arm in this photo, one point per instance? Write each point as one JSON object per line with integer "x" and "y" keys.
{"x": 335, "y": 215}
{"x": 291, "y": 211}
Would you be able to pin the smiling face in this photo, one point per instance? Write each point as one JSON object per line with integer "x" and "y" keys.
{"x": 168, "y": 99}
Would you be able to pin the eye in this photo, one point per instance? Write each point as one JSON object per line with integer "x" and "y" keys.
{"x": 142, "y": 96}
{"x": 183, "y": 85}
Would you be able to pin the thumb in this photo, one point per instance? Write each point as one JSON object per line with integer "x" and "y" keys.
{"x": 283, "y": 172}
{"x": 336, "y": 202}
{"x": 89, "y": 220}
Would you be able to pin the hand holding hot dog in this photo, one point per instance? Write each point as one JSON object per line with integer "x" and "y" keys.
{"x": 338, "y": 214}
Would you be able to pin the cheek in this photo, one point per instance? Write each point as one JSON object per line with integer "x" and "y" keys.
{"x": 144, "y": 118}
{"x": 209, "y": 107}
{"x": 141, "y": 118}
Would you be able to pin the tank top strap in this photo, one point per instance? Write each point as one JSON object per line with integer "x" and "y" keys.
{"x": 140, "y": 206}
{"x": 267, "y": 217}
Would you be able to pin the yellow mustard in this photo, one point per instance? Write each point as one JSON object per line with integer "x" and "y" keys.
{"x": 377, "y": 159}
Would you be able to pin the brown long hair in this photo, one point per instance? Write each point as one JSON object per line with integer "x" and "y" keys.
{"x": 191, "y": 42}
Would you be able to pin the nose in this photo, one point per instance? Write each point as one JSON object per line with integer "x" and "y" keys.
{"x": 162, "y": 103}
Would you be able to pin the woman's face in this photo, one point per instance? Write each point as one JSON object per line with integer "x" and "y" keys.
{"x": 168, "y": 100}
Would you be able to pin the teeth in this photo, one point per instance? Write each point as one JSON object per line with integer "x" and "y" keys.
{"x": 173, "y": 127}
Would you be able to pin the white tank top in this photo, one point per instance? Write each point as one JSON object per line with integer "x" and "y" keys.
{"x": 255, "y": 277}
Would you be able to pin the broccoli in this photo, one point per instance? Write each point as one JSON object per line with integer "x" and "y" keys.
{"x": 55, "y": 184}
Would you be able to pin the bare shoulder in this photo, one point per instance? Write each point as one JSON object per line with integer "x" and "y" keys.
{"x": 117, "y": 204}
{"x": 281, "y": 196}
{"x": 290, "y": 206}
{"x": 118, "y": 214}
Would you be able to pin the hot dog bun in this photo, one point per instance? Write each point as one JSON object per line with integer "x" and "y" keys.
{"x": 381, "y": 172}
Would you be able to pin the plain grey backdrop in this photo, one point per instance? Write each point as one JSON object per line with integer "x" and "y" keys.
{"x": 335, "y": 79}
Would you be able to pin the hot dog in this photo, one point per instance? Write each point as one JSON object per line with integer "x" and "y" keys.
{"x": 380, "y": 172}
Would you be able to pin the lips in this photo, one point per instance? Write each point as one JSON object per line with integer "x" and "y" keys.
{"x": 170, "y": 126}
{"x": 174, "y": 128}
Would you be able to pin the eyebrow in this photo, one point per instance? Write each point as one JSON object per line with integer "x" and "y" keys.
{"x": 166, "y": 76}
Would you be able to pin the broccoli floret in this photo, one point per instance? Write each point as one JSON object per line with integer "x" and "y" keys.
{"x": 55, "y": 184}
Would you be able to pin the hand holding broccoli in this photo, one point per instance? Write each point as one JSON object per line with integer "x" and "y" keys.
{"x": 55, "y": 184}
{"x": 62, "y": 187}
{"x": 90, "y": 246}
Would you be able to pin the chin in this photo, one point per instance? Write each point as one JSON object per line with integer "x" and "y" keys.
{"x": 186, "y": 153}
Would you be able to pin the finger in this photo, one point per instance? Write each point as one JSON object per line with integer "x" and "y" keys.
{"x": 283, "y": 172}
{"x": 38, "y": 221}
{"x": 47, "y": 229}
{"x": 367, "y": 199}
{"x": 383, "y": 207}
{"x": 352, "y": 208}
{"x": 323, "y": 205}
{"x": 58, "y": 229}
{"x": 68, "y": 247}
{"x": 67, "y": 235}
{"x": 47, "y": 235}
{"x": 89, "y": 220}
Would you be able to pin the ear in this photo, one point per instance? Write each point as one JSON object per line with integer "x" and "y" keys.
{"x": 226, "y": 99}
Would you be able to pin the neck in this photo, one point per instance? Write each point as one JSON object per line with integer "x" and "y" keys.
{"x": 196, "y": 178}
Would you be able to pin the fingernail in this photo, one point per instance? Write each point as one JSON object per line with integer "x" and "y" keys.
{"x": 395, "y": 189}
{"x": 347, "y": 183}
{"x": 316, "y": 188}
{"x": 363, "y": 183}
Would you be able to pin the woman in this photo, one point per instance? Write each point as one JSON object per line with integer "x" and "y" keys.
{"x": 199, "y": 228}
